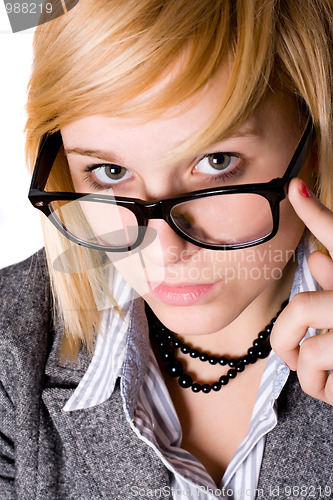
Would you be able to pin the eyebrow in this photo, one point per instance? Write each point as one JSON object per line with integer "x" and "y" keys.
{"x": 252, "y": 129}
{"x": 94, "y": 153}
{"x": 100, "y": 154}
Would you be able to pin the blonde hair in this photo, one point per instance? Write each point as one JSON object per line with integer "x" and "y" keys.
{"x": 103, "y": 54}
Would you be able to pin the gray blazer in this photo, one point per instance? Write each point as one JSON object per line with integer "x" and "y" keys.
{"x": 46, "y": 453}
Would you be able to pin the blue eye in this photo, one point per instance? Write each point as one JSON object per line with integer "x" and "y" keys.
{"x": 216, "y": 163}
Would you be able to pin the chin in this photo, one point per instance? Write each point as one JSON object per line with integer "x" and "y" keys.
{"x": 194, "y": 320}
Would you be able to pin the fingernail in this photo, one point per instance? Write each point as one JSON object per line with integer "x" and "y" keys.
{"x": 304, "y": 190}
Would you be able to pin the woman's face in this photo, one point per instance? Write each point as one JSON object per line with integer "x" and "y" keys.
{"x": 191, "y": 289}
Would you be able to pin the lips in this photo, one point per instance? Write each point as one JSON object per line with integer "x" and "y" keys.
{"x": 183, "y": 294}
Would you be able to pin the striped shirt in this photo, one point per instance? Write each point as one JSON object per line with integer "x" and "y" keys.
{"x": 123, "y": 350}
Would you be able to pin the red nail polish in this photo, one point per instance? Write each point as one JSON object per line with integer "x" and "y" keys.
{"x": 304, "y": 190}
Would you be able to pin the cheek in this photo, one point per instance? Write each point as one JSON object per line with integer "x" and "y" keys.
{"x": 258, "y": 266}
{"x": 229, "y": 218}
{"x": 138, "y": 269}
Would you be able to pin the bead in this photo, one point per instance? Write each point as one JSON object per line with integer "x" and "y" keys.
{"x": 224, "y": 380}
{"x": 257, "y": 342}
{"x": 203, "y": 356}
{"x": 196, "y": 387}
{"x": 157, "y": 336}
{"x": 162, "y": 344}
{"x": 232, "y": 373}
{"x": 174, "y": 368}
{"x": 185, "y": 381}
{"x": 168, "y": 355}
{"x": 240, "y": 367}
{"x": 216, "y": 386}
{"x": 223, "y": 361}
{"x": 185, "y": 349}
{"x": 264, "y": 335}
{"x": 213, "y": 360}
{"x": 245, "y": 360}
{"x": 169, "y": 336}
{"x": 177, "y": 343}
{"x": 194, "y": 353}
{"x": 206, "y": 388}
{"x": 264, "y": 352}
{"x": 232, "y": 362}
{"x": 253, "y": 351}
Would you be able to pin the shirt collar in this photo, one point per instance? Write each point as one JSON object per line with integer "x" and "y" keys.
{"x": 115, "y": 354}
{"x": 122, "y": 347}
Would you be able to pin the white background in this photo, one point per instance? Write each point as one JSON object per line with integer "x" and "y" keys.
{"x": 20, "y": 233}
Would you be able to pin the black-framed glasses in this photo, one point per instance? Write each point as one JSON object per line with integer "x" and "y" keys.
{"x": 222, "y": 218}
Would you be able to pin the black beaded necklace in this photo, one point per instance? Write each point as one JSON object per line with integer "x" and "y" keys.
{"x": 168, "y": 342}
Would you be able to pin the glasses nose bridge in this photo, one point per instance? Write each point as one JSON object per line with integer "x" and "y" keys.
{"x": 154, "y": 210}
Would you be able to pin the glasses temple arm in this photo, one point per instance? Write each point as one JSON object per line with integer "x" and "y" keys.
{"x": 301, "y": 153}
{"x": 47, "y": 154}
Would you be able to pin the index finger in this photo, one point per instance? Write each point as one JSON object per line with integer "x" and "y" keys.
{"x": 317, "y": 217}
{"x": 306, "y": 309}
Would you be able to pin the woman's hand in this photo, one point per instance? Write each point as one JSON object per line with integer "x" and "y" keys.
{"x": 314, "y": 357}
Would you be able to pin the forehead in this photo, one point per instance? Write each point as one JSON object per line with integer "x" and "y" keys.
{"x": 174, "y": 127}
{"x": 189, "y": 116}
{"x": 187, "y": 126}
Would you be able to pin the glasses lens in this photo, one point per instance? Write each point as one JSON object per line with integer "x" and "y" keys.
{"x": 224, "y": 219}
{"x": 98, "y": 223}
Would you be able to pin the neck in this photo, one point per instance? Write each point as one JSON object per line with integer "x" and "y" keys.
{"x": 234, "y": 340}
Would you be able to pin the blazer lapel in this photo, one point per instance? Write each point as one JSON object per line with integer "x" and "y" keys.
{"x": 100, "y": 442}
{"x": 299, "y": 450}
{"x": 97, "y": 451}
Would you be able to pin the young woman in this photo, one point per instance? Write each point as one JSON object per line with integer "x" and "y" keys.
{"x": 182, "y": 152}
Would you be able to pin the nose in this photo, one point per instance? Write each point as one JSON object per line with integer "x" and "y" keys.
{"x": 167, "y": 247}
